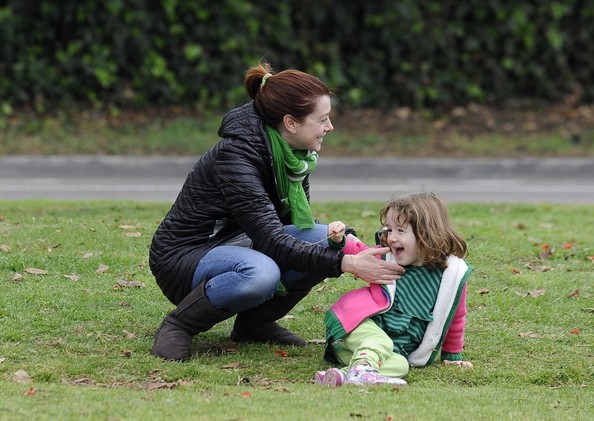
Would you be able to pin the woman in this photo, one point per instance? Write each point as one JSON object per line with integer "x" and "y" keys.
{"x": 240, "y": 237}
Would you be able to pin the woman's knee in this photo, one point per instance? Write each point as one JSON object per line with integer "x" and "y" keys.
{"x": 261, "y": 281}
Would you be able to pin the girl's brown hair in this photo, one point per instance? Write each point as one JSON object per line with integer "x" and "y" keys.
{"x": 429, "y": 218}
{"x": 288, "y": 92}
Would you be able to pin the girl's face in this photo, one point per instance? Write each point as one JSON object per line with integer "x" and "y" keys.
{"x": 309, "y": 134}
{"x": 402, "y": 241}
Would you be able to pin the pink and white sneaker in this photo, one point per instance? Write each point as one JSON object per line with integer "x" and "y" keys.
{"x": 366, "y": 374}
{"x": 332, "y": 377}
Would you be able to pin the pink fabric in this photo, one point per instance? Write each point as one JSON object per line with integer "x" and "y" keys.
{"x": 358, "y": 304}
{"x": 454, "y": 340}
{"x": 353, "y": 245}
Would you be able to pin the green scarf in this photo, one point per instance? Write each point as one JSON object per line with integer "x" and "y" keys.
{"x": 290, "y": 168}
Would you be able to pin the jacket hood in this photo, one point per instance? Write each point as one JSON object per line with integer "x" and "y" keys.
{"x": 241, "y": 122}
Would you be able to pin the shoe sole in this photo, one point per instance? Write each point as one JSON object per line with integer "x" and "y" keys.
{"x": 332, "y": 378}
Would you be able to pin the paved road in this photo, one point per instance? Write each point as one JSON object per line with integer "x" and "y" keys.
{"x": 554, "y": 180}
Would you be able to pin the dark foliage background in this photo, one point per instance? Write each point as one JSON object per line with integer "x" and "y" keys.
{"x": 380, "y": 54}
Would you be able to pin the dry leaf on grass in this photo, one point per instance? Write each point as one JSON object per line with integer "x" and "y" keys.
{"x": 22, "y": 376}
{"x": 529, "y": 335}
{"x": 574, "y": 294}
{"x": 102, "y": 268}
{"x": 537, "y": 268}
{"x": 130, "y": 284}
{"x": 35, "y": 271}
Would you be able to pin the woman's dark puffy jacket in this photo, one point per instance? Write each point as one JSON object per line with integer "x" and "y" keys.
{"x": 229, "y": 191}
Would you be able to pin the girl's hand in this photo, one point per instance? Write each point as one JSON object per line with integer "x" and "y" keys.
{"x": 336, "y": 231}
{"x": 465, "y": 364}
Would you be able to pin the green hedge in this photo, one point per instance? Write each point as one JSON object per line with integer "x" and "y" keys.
{"x": 138, "y": 53}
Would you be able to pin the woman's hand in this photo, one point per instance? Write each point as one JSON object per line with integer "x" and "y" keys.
{"x": 336, "y": 231}
{"x": 465, "y": 364}
{"x": 368, "y": 267}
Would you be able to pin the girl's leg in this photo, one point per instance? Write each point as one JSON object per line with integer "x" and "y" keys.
{"x": 365, "y": 352}
{"x": 395, "y": 365}
{"x": 238, "y": 278}
{"x": 368, "y": 343}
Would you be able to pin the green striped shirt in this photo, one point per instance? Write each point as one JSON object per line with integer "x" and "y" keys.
{"x": 406, "y": 321}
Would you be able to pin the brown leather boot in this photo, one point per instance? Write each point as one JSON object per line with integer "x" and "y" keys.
{"x": 259, "y": 324}
{"x": 194, "y": 314}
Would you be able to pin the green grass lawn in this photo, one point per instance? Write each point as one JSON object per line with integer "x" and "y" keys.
{"x": 79, "y": 308}
{"x": 157, "y": 132}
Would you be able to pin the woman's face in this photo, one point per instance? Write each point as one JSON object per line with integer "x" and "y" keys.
{"x": 309, "y": 134}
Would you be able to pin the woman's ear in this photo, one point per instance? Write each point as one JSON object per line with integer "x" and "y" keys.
{"x": 290, "y": 124}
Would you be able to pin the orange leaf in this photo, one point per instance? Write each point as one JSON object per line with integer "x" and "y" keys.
{"x": 282, "y": 353}
{"x": 246, "y": 394}
{"x": 545, "y": 251}
{"x": 575, "y": 331}
{"x": 30, "y": 392}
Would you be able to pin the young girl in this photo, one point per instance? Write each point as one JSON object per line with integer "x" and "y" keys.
{"x": 378, "y": 331}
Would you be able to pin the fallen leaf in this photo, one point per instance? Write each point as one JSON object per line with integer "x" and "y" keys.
{"x": 575, "y": 331}
{"x": 591, "y": 258}
{"x": 87, "y": 255}
{"x": 73, "y": 278}
{"x": 529, "y": 335}
{"x": 22, "y": 376}
{"x": 133, "y": 234}
{"x": 574, "y": 294}
{"x": 246, "y": 394}
{"x": 102, "y": 268}
{"x": 322, "y": 287}
{"x": 282, "y": 353}
{"x": 127, "y": 353}
{"x": 161, "y": 385}
{"x": 483, "y": 291}
{"x": 537, "y": 268}
{"x": 17, "y": 277}
{"x": 127, "y": 227}
{"x": 128, "y": 335}
{"x": 29, "y": 392}
{"x": 130, "y": 284}
{"x": 2, "y": 359}
{"x": 35, "y": 271}
{"x": 231, "y": 366}
{"x": 318, "y": 309}
{"x": 5, "y": 248}
{"x": 536, "y": 293}
{"x": 517, "y": 271}
{"x": 545, "y": 251}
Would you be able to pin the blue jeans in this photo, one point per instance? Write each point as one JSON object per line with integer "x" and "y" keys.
{"x": 240, "y": 278}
